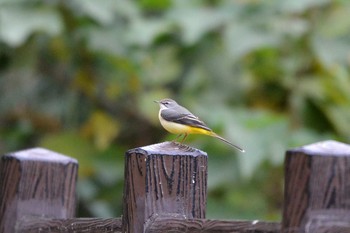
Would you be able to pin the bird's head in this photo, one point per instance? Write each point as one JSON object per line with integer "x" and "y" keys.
{"x": 166, "y": 103}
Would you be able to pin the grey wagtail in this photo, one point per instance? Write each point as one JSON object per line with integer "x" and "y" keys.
{"x": 178, "y": 120}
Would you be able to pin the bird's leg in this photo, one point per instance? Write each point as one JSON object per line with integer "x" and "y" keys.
{"x": 183, "y": 139}
{"x": 177, "y": 137}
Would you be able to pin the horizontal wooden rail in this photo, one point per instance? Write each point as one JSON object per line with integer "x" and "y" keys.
{"x": 30, "y": 224}
{"x": 159, "y": 224}
{"x": 177, "y": 224}
{"x": 322, "y": 221}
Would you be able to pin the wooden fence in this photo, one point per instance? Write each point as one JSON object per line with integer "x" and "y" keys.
{"x": 165, "y": 191}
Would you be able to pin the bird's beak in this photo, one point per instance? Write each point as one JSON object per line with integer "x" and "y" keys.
{"x": 156, "y": 101}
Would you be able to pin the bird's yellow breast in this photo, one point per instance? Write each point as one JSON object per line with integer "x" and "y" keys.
{"x": 177, "y": 128}
{"x": 173, "y": 127}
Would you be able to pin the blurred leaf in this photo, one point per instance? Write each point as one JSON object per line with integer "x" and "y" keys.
{"x": 100, "y": 208}
{"x": 106, "y": 40}
{"x": 101, "y": 128}
{"x": 105, "y": 12}
{"x": 149, "y": 29}
{"x": 332, "y": 51}
{"x": 197, "y": 22}
{"x": 155, "y": 4}
{"x": 253, "y": 39}
{"x": 87, "y": 189}
{"x": 26, "y": 85}
{"x": 340, "y": 115}
{"x": 299, "y": 6}
{"x": 161, "y": 67}
{"x": 17, "y": 24}
{"x": 102, "y": 11}
{"x": 265, "y": 137}
{"x": 336, "y": 23}
{"x": 332, "y": 38}
{"x": 72, "y": 144}
{"x": 291, "y": 26}
{"x": 303, "y": 137}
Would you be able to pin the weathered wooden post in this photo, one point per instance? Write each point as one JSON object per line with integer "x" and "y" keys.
{"x": 36, "y": 183}
{"x": 317, "y": 188}
{"x": 163, "y": 180}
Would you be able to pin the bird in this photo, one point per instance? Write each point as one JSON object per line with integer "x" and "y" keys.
{"x": 178, "y": 120}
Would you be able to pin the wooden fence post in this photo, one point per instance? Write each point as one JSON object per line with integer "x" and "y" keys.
{"x": 165, "y": 179}
{"x": 317, "y": 182}
{"x": 36, "y": 182}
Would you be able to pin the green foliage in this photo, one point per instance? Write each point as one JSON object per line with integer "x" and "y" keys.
{"x": 79, "y": 77}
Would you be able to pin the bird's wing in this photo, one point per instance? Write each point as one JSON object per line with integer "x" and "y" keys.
{"x": 184, "y": 118}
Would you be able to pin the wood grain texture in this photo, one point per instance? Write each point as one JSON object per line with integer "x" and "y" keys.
{"x": 36, "y": 182}
{"x": 172, "y": 223}
{"x": 76, "y": 225}
{"x": 180, "y": 225}
{"x": 327, "y": 220}
{"x": 165, "y": 178}
{"x": 316, "y": 178}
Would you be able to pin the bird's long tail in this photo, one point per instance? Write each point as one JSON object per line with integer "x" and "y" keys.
{"x": 224, "y": 140}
